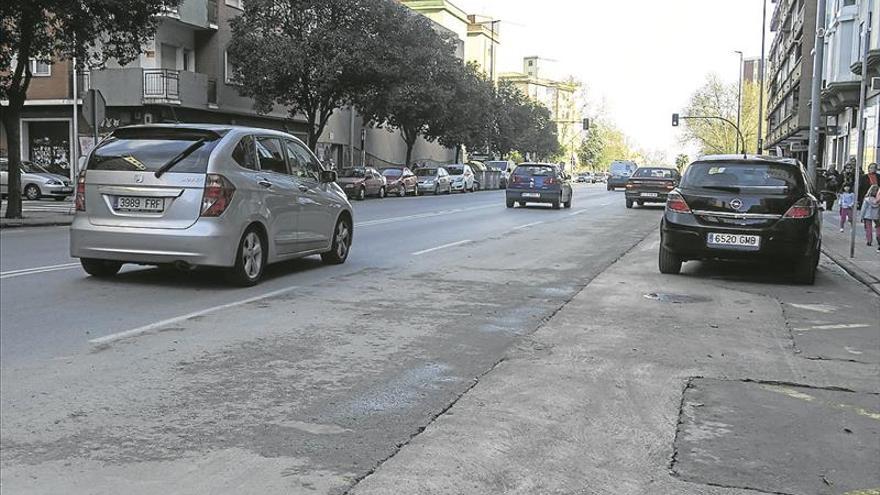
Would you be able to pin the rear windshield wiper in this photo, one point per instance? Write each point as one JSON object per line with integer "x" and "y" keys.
{"x": 180, "y": 157}
{"x": 723, "y": 188}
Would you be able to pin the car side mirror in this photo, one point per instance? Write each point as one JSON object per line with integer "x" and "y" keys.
{"x": 328, "y": 176}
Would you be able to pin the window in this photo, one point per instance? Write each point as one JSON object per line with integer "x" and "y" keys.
{"x": 302, "y": 163}
{"x": 239, "y": 4}
{"x": 188, "y": 60}
{"x": 271, "y": 155}
{"x": 147, "y": 150}
{"x": 41, "y": 68}
{"x": 243, "y": 154}
{"x": 229, "y": 69}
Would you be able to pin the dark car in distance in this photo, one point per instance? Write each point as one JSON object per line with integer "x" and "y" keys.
{"x": 743, "y": 208}
{"x": 618, "y": 173}
{"x": 400, "y": 181}
{"x": 650, "y": 185}
{"x": 539, "y": 183}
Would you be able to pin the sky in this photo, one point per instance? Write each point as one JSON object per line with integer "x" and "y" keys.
{"x": 639, "y": 59}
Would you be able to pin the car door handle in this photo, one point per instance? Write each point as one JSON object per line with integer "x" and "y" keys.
{"x": 264, "y": 183}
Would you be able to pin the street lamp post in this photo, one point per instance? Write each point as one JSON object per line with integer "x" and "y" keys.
{"x": 816, "y": 91}
{"x": 739, "y": 100}
{"x": 761, "y": 70}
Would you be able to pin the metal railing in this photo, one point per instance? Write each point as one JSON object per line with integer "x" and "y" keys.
{"x": 162, "y": 84}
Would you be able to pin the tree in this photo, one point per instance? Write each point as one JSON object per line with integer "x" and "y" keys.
{"x": 591, "y": 148}
{"x": 314, "y": 55}
{"x": 468, "y": 118}
{"x": 718, "y": 99}
{"x": 682, "y": 161}
{"x": 512, "y": 114}
{"x": 93, "y": 31}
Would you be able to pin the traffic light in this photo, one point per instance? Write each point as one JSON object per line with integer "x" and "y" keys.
{"x": 675, "y": 120}
{"x": 586, "y": 124}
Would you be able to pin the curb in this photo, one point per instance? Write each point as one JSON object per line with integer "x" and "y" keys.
{"x": 857, "y": 273}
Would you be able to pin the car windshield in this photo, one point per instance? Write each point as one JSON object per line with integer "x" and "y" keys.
{"x": 735, "y": 176}
{"x": 455, "y": 170}
{"x": 660, "y": 173}
{"x": 426, "y": 172}
{"x": 533, "y": 170}
{"x": 148, "y": 150}
{"x": 352, "y": 173}
{"x": 392, "y": 172}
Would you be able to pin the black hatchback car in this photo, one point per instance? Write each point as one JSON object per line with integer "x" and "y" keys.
{"x": 743, "y": 208}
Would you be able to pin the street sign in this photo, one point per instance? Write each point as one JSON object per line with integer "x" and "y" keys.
{"x": 94, "y": 109}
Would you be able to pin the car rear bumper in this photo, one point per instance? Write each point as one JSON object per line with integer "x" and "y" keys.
{"x": 427, "y": 187}
{"x": 787, "y": 240}
{"x": 59, "y": 191}
{"x": 617, "y": 181}
{"x": 208, "y": 242}
{"x": 524, "y": 195}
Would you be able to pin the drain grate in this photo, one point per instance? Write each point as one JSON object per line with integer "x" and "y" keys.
{"x": 676, "y": 298}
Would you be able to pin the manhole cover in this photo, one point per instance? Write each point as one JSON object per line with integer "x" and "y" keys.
{"x": 676, "y": 298}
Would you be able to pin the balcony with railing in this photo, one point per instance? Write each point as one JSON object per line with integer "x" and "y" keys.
{"x": 143, "y": 86}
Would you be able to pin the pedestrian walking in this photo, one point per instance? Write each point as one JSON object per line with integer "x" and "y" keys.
{"x": 871, "y": 214}
{"x": 873, "y": 179}
{"x": 847, "y": 201}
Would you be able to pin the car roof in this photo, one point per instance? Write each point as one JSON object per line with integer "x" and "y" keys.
{"x": 221, "y": 129}
{"x": 537, "y": 164}
{"x": 748, "y": 158}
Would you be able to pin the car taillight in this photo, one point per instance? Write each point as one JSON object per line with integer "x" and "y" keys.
{"x": 80, "y": 197}
{"x": 675, "y": 202}
{"x": 670, "y": 185}
{"x": 629, "y": 186}
{"x": 549, "y": 181}
{"x": 518, "y": 178}
{"x": 217, "y": 196}
{"x": 802, "y": 209}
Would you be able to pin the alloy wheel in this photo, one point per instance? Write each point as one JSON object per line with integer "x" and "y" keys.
{"x": 252, "y": 255}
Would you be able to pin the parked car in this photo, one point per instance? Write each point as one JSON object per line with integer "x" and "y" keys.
{"x": 434, "y": 180}
{"x": 586, "y": 177}
{"x": 36, "y": 182}
{"x": 503, "y": 166}
{"x": 539, "y": 183}
{"x": 461, "y": 178}
{"x": 206, "y": 195}
{"x": 619, "y": 173}
{"x": 400, "y": 181}
{"x": 650, "y": 185}
{"x": 600, "y": 177}
{"x": 748, "y": 208}
{"x": 358, "y": 183}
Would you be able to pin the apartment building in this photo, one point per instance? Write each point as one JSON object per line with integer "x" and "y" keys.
{"x": 537, "y": 81}
{"x": 751, "y": 70}
{"x": 790, "y": 66}
{"x": 184, "y": 75}
{"x": 842, "y": 82}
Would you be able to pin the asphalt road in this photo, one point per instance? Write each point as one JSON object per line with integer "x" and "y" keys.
{"x": 322, "y": 378}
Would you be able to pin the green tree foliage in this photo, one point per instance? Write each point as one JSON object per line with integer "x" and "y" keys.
{"x": 93, "y": 31}
{"x": 603, "y": 144}
{"x": 467, "y": 119}
{"x": 718, "y": 99}
{"x": 682, "y": 161}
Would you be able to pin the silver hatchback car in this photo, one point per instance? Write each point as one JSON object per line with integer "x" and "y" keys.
{"x": 206, "y": 195}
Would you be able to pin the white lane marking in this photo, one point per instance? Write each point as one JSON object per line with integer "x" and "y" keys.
{"x": 576, "y": 212}
{"x": 843, "y": 326}
{"x": 134, "y": 332}
{"x": 37, "y": 269}
{"x": 527, "y": 225}
{"x": 820, "y": 308}
{"x": 605, "y": 204}
{"x": 451, "y": 244}
{"x": 382, "y": 221}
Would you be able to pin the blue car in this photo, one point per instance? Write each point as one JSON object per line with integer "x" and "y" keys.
{"x": 539, "y": 183}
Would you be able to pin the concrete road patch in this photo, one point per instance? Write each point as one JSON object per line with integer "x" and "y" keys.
{"x": 778, "y": 438}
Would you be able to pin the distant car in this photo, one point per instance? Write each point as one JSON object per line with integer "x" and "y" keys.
{"x": 400, "y": 181}
{"x": 358, "y": 183}
{"x": 461, "y": 178}
{"x": 743, "y": 208}
{"x": 650, "y": 185}
{"x": 193, "y": 195}
{"x": 586, "y": 177}
{"x": 36, "y": 182}
{"x": 600, "y": 177}
{"x": 539, "y": 183}
{"x": 434, "y": 180}
{"x": 619, "y": 173}
{"x": 505, "y": 167}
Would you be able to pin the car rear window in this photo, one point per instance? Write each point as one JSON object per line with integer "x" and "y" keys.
{"x": 148, "y": 150}
{"x": 426, "y": 172}
{"x": 353, "y": 173}
{"x": 662, "y": 173}
{"x": 743, "y": 175}
{"x": 455, "y": 170}
{"x": 392, "y": 172}
{"x": 533, "y": 170}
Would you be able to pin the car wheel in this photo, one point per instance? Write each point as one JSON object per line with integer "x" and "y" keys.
{"x": 401, "y": 191}
{"x": 567, "y": 204}
{"x": 669, "y": 263}
{"x": 436, "y": 190}
{"x": 250, "y": 260}
{"x": 100, "y": 268}
{"x": 521, "y": 203}
{"x": 640, "y": 203}
{"x": 60, "y": 198}
{"x": 510, "y": 203}
{"x": 629, "y": 203}
{"x": 805, "y": 269}
{"x": 362, "y": 193}
{"x": 382, "y": 193}
{"x": 557, "y": 202}
{"x": 341, "y": 245}
{"x": 416, "y": 190}
{"x": 32, "y": 192}
{"x": 608, "y": 188}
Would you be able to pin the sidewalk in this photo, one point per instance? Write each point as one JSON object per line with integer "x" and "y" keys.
{"x": 39, "y": 214}
{"x": 865, "y": 265}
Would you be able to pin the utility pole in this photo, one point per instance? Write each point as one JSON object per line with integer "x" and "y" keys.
{"x": 816, "y": 94}
{"x": 74, "y": 161}
{"x": 761, "y": 71}
{"x": 860, "y": 157}
{"x": 739, "y": 101}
